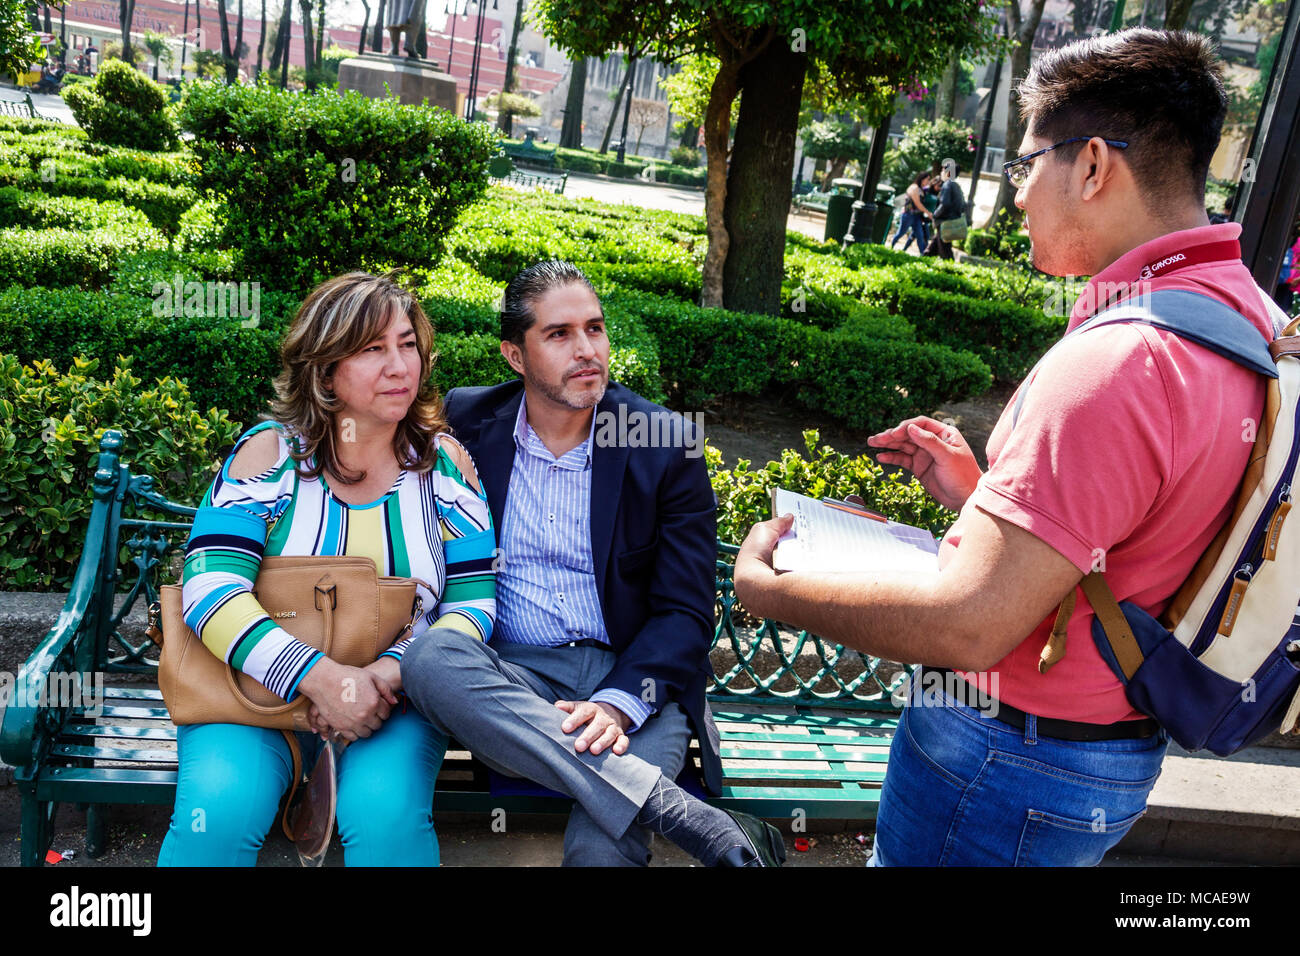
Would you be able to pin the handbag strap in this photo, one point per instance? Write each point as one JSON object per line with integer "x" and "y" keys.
{"x": 296, "y": 752}
{"x": 326, "y": 599}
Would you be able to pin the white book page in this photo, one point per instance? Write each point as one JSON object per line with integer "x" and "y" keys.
{"x": 825, "y": 539}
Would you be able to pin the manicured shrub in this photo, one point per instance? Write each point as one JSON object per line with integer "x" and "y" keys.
{"x": 35, "y": 210}
{"x": 623, "y": 170}
{"x": 228, "y": 360}
{"x": 864, "y": 382}
{"x": 745, "y": 493}
{"x": 50, "y": 425}
{"x": 123, "y": 107}
{"x": 315, "y": 185}
{"x": 68, "y": 257}
{"x": 1010, "y": 338}
{"x": 677, "y": 280}
{"x": 578, "y": 162}
{"x": 687, "y": 156}
{"x": 163, "y": 204}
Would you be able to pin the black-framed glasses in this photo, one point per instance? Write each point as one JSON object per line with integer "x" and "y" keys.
{"x": 1018, "y": 169}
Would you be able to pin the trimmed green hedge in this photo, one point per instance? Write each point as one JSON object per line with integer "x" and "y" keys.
{"x": 1010, "y": 338}
{"x": 69, "y": 257}
{"x": 34, "y": 210}
{"x": 163, "y": 204}
{"x": 319, "y": 184}
{"x": 228, "y": 363}
{"x": 865, "y": 382}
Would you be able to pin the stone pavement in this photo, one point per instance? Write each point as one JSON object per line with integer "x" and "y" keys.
{"x": 49, "y": 105}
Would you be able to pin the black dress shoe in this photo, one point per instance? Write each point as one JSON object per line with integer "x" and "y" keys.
{"x": 766, "y": 848}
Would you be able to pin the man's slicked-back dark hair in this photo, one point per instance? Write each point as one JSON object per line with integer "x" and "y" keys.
{"x": 529, "y": 286}
{"x": 1160, "y": 91}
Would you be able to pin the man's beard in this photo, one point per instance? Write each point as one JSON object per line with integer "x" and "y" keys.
{"x": 557, "y": 393}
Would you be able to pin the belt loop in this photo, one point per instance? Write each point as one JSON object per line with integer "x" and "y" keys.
{"x": 1031, "y": 729}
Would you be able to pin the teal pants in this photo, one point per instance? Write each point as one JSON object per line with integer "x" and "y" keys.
{"x": 231, "y": 780}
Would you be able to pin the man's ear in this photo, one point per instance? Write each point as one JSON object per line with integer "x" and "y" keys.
{"x": 1098, "y": 167}
{"x": 514, "y": 355}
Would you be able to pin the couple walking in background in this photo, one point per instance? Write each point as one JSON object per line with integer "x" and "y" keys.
{"x": 927, "y": 201}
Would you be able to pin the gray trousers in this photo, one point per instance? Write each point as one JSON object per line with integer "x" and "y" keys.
{"x": 499, "y": 701}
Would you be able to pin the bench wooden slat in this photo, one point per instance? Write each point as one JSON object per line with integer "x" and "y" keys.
{"x": 133, "y": 693}
{"x": 805, "y": 720}
{"x": 137, "y": 713}
{"x": 116, "y": 753}
{"x": 823, "y": 754}
{"x": 105, "y": 730}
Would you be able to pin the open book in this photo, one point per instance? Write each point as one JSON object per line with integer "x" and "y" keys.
{"x": 840, "y": 537}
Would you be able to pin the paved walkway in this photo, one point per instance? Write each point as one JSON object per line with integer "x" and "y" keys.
{"x": 49, "y": 105}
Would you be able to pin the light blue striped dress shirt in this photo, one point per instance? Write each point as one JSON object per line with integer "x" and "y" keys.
{"x": 546, "y": 581}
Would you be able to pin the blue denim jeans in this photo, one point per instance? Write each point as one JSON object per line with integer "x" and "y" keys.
{"x": 964, "y": 789}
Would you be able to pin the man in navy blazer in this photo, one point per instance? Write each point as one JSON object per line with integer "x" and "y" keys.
{"x": 593, "y": 681}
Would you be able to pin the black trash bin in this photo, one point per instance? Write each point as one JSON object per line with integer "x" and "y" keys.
{"x": 884, "y": 213}
{"x": 839, "y": 208}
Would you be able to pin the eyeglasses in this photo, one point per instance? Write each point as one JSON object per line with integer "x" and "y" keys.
{"x": 1018, "y": 169}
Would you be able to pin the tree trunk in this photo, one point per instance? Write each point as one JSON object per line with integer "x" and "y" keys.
{"x": 261, "y": 43}
{"x": 126, "y": 9}
{"x": 1082, "y": 13}
{"x": 1176, "y": 13}
{"x": 286, "y": 28}
{"x": 946, "y": 104}
{"x": 365, "y": 25}
{"x": 1005, "y": 214}
{"x": 571, "y": 131}
{"x": 505, "y": 122}
{"x": 308, "y": 43}
{"x": 49, "y": 24}
{"x": 758, "y": 186}
{"x": 690, "y": 135}
{"x": 281, "y": 29}
{"x": 227, "y": 56}
{"x": 717, "y": 136}
{"x": 239, "y": 37}
{"x": 618, "y": 100}
{"x": 320, "y": 31}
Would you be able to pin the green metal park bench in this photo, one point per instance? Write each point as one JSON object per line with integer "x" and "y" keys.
{"x": 23, "y": 110}
{"x": 805, "y": 725}
{"x": 502, "y": 169}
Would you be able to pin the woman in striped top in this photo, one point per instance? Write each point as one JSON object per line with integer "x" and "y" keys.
{"x": 357, "y": 462}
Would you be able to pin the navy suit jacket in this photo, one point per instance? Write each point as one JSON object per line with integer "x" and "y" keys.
{"x": 653, "y": 544}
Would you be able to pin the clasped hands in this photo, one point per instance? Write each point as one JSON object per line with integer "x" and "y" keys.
{"x": 934, "y": 451}
{"x": 351, "y": 702}
{"x": 354, "y": 702}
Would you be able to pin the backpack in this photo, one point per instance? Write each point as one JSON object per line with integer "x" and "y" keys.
{"x": 1220, "y": 669}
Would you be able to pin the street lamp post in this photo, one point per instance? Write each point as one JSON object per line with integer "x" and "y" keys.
{"x": 474, "y": 64}
{"x": 864, "y": 211}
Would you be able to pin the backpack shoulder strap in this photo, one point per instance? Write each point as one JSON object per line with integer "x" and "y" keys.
{"x": 1189, "y": 315}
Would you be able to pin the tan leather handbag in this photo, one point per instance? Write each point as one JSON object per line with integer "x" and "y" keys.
{"x": 339, "y": 605}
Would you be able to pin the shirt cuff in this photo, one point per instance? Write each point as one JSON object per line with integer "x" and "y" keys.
{"x": 638, "y": 711}
{"x": 398, "y": 649}
{"x": 293, "y": 691}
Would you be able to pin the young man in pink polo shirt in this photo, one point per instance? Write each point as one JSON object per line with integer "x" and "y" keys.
{"x": 1125, "y": 457}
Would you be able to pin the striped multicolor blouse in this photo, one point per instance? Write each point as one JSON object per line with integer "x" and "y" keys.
{"x": 430, "y": 526}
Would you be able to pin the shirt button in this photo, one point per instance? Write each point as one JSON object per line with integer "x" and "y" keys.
{"x": 552, "y": 517}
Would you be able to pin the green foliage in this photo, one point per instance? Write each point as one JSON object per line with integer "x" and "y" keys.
{"x": 164, "y": 205}
{"x": 688, "y": 89}
{"x": 924, "y": 144}
{"x": 827, "y": 139}
{"x": 69, "y": 257}
{"x": 228, "y": 361}
{"x": 123, "y": 107}
{"x": 315, "y": 185}
{"x": 512, "y": 104}
{"x": 35, "y": 210}
{"x": 865, "y": 382}
{"x": 687, "y": 156}
{"x": 19, "y": 46}
{"x": 1008, "y": 337}
{"x": 50, "y": 425}
{"x": 744, "y": 492}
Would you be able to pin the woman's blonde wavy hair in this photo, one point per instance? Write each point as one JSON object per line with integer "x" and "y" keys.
{"x": 338, "y": 319}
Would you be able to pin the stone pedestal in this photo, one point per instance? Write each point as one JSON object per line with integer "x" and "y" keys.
{"x": 411, "y": 81}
